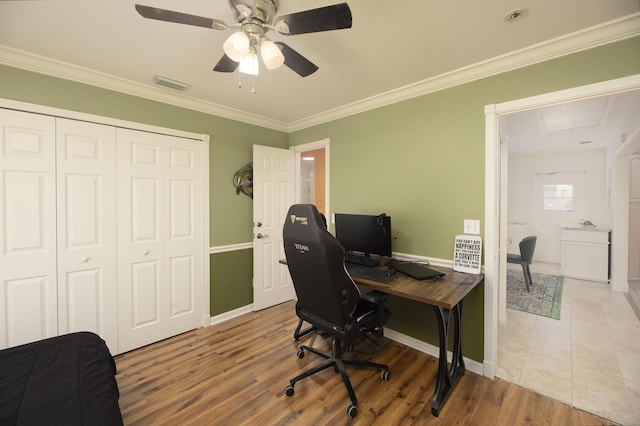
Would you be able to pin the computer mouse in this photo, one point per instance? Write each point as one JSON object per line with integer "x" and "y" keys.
{"x": 390, "y": 272}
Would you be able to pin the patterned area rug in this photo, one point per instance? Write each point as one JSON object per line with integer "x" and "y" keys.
{"x": 544, "y": 299}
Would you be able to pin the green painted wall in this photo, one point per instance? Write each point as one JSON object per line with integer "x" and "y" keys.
{"x": 232, "y": 271}
{"x": 422, "y": 162}
{"x": 388, "y": 159}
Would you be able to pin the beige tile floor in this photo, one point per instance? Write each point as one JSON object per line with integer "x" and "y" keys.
{"x": 590, "y": 358}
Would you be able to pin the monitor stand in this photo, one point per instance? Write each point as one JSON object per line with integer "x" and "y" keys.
{"x": 360, "y": 259}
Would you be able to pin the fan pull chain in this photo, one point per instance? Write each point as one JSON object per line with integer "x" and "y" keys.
{"x": 253, "y": 83}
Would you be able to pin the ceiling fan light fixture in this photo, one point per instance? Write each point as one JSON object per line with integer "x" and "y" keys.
{"x": 271, "y": 54}
{"x": 236, "y": 46}
{"x": 249, "y": 64}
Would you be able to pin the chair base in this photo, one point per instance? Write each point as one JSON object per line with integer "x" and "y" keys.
{"x": 339, "y": 364}
{"x": 298, "y": 333}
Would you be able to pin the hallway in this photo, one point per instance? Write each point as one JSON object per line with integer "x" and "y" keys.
{"x": 589, "y": 359}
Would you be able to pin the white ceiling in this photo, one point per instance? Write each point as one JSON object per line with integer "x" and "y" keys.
{"x": 394, "y": 49}
{"x": 602, "y": 122}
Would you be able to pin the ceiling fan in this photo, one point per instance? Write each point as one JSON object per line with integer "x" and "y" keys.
{"x": 255, "y": 18}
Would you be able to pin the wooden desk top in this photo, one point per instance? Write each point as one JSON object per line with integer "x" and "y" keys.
{"x": 445, "y": 292}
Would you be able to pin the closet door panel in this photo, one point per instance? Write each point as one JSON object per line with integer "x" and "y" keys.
{"x": 87, "y": 279}
{"x": 184, "y": 234}
{"x": 28, "y": 311}
{"x": 142, "y": 295}
{"x": 28, "y": 308}
{"x": 145, "y": 294}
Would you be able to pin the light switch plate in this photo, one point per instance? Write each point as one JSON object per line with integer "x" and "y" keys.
{"x": 471, "y": 226}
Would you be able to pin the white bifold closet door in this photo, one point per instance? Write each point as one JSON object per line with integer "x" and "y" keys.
{"x": 28, "y": 293}
{"x": 159, "y": 237}
{"x": 86, "y": 205}
{"x": 101, "y": 229}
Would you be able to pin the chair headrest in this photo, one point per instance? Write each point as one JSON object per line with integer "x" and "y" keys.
{"x": 304, "y": 214}
{"x": 303, "y": 222}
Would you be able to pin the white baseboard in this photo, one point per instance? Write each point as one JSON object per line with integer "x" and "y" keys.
{"x": 429, "y": 349}
{"x": 217, "y": 319}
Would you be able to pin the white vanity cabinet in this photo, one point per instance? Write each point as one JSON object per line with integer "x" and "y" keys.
{"x": 585, "y": 252}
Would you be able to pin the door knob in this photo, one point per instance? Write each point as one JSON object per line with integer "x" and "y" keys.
{"x": 259, "y": 236}
{"x": 84, "y": 259}
{"x": 146, "y": 252}
{"x": 259, "y": 224}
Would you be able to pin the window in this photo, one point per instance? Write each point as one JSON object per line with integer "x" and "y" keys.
{"x": 558, "y": 197}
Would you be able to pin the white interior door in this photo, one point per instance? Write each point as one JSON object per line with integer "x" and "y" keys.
{"x": 184, "y": 234}
{"x": 28, "y": 298}
{"x": 87, "y": 280}
{"x": 142, "y": 299}
{"x": 273, "y": 194}
{"x": 160, "y": 237}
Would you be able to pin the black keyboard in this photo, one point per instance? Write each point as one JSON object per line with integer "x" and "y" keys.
{"x": 369, "y": 273}
{"x": 415, "y": 270}
{"x": 359, "y": 259}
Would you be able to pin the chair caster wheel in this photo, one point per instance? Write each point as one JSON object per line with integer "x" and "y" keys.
{"x": 352, "y": 410}
{"x": 300, "y": 353}
{"x": 288, "y": 390}
{"x": 385, "y": 375}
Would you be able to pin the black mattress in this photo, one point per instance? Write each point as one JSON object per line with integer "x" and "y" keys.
{"x": 65, "y": 380}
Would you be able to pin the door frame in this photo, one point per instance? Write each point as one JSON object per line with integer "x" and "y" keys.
{"x": 495, "y": 211}
{"x": 323, "y": 143}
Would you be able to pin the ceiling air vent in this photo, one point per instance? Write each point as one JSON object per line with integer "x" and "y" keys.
{"x": 170, "y": 83}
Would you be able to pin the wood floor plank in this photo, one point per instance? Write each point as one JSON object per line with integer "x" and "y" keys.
{"x": 235, "y": 373}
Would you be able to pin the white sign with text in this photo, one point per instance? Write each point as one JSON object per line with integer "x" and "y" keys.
{"x": 467, "y": 255}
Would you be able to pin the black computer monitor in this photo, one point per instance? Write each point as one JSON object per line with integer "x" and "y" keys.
{"x": 367, "y": 234}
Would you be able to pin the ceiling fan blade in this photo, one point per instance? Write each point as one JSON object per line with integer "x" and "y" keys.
{"x": 298, "y": 63}
{"x": 336, "y": 17}
{"x": 226, "y": 64}
{"x": 179, "y": 17}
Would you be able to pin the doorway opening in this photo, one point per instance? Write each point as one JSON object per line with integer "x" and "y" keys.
{"x": 496, "y": 241}
{"x": 312, "y": 182}
{"x": 495, "y": 218}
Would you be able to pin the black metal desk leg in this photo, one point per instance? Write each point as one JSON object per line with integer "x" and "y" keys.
{"x": 446, "y": 380}
{"x": 457, "y": 362}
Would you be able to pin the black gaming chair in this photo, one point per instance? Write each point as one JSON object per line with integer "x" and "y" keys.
{"x": 328, "y": 299}
{"x": 299, "y": 332}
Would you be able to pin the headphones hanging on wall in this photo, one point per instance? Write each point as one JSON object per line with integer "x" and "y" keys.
{"x": 380, "y": 222}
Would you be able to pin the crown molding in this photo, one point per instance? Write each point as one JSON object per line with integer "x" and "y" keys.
{"x": 54, "y": 68}
{"x": 608, "y": 32}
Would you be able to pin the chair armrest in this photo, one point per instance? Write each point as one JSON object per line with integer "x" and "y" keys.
{"x": 379, "y": 298}
{"x": 375, "y": 296}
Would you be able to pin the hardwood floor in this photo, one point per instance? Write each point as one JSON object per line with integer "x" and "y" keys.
{"x": 236, "y": 372}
